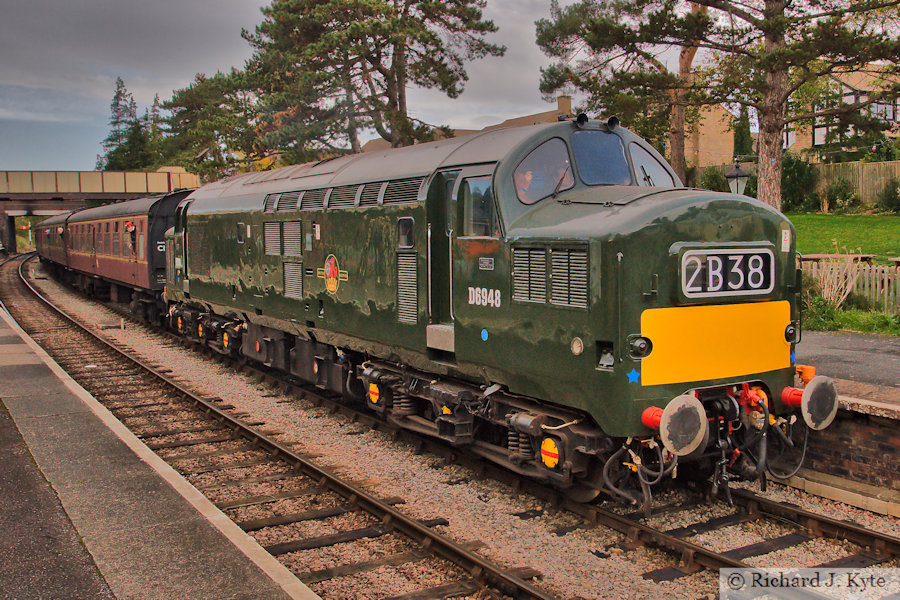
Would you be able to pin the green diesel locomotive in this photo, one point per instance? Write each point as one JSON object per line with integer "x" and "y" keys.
{"x": 549, "y": 297}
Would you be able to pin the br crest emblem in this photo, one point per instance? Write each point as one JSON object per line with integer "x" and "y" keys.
{"x": 332, "y": 274}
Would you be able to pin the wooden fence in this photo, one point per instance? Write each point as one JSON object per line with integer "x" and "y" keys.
{"x": 868, "y": 179}
{"x": 879, "y": 284}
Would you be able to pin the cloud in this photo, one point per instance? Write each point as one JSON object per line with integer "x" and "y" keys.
{"x": 61, "y": 59}
{"x": 83, "y": 46}
{"x": 47, "y": 105}
{"x": 498, "y": 88}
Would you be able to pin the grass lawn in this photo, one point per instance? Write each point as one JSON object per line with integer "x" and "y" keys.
{"x": 867, "y": 234}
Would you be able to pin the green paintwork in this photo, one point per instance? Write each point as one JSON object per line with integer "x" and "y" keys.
{"x": 631, "y": 234}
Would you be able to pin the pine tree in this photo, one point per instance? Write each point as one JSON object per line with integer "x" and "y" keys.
{"x": 324, "y": 70}
{"x": 122, "y": 114}
{"x": 743, "y": 142}
{"x": 134, "y": 153}
{"x": 210, "y": 130}
{"x": 604, "y": 48}
{"x": 765, "y": 51}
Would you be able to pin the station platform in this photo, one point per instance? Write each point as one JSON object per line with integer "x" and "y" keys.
{"x": 89, "y": 511}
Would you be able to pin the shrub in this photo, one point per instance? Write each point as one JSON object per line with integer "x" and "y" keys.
{"x": 690, "y": 176}
{"x": 818, "y": 315}
{"x": 840, "y": 196}
{"x": 856, "y": 301}
{"x": 713, "y": 179}
{"x": 752, "y": 188}
{"x": 798, "y": 184}
{"x": 889, "y": 196}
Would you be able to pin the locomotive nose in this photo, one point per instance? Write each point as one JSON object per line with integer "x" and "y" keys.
{"x": 683, "y": 425}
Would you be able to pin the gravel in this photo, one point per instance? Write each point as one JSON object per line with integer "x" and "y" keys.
{"x": 585, "y": 563}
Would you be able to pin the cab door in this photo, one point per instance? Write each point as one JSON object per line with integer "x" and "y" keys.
{"x": 439, "y": 232}
{"x": 480, "y": 271}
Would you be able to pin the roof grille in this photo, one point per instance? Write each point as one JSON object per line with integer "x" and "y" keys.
{"x": 407, "y": 288}
{"x": 530, "y": 275}
{"x": 569, "y": 277}
{"x": 288, "y": 202}
{"x": 269, "y": 203}
{"x": 292, "y": 232}
{"x": 369, "y": 196}
{"x": 313, "y": 199}
{"x": 343, "y": 197}
{"x": 293, "y": 280}
{"x": 403, "y": 190}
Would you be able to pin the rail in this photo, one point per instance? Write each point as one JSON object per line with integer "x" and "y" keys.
{"x": 480, "y": 568}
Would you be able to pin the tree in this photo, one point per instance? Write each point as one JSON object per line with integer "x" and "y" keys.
{"x": 134, "y": 153}
{"x": 605, "y": 49}
{"x": 324, "y": 70}
{"x": 210, "y": 130}
{"x": 122, "y": 113}
{"x": 764, "y": 51}
{"x": 743, "y": 142}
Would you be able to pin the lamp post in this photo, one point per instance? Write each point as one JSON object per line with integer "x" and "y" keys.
{"x": 737, "y": 179}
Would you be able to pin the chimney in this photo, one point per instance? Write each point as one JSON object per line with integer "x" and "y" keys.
{"x": 564, "y": 105}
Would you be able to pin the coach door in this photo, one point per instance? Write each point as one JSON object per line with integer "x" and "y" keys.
{"x": 94, "y": 237}
{"x": 440, "y": 208}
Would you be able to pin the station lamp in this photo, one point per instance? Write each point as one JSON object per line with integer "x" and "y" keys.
{"x": 737, "y": 179}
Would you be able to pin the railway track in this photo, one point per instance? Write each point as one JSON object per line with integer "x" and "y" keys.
{"x": 300, "y": 512}
{"x": 682, "y": 542}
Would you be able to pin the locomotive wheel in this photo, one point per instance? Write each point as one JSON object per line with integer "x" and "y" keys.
{"x": 586, "y": 489}
{"x": 153, "y": 314}
{"x": 581, "y": 492}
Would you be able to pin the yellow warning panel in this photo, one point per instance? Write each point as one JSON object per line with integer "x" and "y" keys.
{"x": 697, "y": 343}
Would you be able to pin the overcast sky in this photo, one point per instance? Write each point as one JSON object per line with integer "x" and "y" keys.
{"x": 59, "y": 60}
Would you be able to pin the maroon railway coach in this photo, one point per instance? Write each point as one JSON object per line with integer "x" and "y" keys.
{"x": 50, "y": 238}
{"x": 118, "y": 250}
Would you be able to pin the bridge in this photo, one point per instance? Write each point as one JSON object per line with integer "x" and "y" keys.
{"x": 24, "y": 193}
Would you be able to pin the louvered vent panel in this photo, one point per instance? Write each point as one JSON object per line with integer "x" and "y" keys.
{"x": 293, "y": 280}
{"x": 269, "y": 204}
{"x": 530, "y": 275}
{"x": 343, "y": 197}
{"x": 407, "y": 289}
{"x": 403, "y": 190}
{"x": 370, "y": 193}
{"x": 272, "y": 233}
{"x": 569, "y": 274}
{"x": 293, "y": 238}
{"x": 288, "y": 202}
{"x": 313, "y": 199}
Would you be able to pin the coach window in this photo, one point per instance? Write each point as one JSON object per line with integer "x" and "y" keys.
{"x": 478, "y": 216}
{"x": 544, "y": 171}
{"x": 648, "y": 170}
{"x": 600, "y": 157}
{"x": 406, "y": 237}
{"x": 240, "y": 233}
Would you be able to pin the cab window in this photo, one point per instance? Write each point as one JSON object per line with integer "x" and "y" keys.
{"x": 600, "y": 157}
{"x": 478, "y": 217}
{"x": 544, "y": 171}
{"x": 647, "y": 169}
